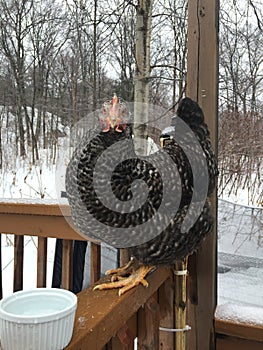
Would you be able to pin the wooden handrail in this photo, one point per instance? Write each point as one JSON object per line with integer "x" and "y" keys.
{"x": 100, "y": 314}
{"x": 37, "y": 218}
{"x": 234, "y": 335}
{"x": 239, "y": 330}
{"x": 34, "y": 207}
{"x": 44, "y": 219}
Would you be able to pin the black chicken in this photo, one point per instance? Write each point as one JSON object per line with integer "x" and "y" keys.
{"x": 160, "y": 224}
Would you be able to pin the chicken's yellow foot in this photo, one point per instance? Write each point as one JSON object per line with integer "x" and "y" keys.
{"x": 126, "y": 283}
{"x": 123, "y": 271}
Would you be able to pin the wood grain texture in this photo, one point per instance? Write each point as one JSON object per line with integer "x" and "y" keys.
{"x": 148, "y": 325}
{"x": 166, "y": 302}
{"x": 37, "y": 219}
{"x": 100, "y": 314}
{"x": 42, "y": 262}
{"x": 38, "y": 225}
{"x": 232, "y": 343}
{"x": 239, "y": 330}
{"x": 202, "y": 86}
{"x": 95, "y": 262}
{"x": 34, "y": 207}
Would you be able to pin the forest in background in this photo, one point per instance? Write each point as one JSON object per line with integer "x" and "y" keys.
{"x": 59, "y": 60}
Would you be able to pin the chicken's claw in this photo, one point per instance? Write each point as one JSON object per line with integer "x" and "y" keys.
{"x": 135, "y": 278}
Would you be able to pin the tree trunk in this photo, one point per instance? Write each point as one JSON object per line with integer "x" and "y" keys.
{"x": 95, "y": 56}
{"x": 141, "y": 88}
{"x": 21, "y": 132}
{"x": 1, "y": 152}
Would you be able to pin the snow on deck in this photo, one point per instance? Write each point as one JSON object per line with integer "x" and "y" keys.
{"x": 240, "y": 313}
{"x": 240, "y": 258}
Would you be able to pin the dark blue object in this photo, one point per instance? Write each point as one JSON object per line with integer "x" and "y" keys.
{"x": 79, "y": 252}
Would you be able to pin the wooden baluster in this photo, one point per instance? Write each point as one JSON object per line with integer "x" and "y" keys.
{"x": 124, "y": 256}
{"x": 95, "y": 262}
{"x": 18, "y": 263}
{"x": 42, "y": 262}
{"x": 166, "y": 302}
{"x": 116, "y": 344}
{"x": 124, "y": 339}
{"x": 148, "y": 325}
{"x": 1, "y": 282}
{"x": 67, "y": 264}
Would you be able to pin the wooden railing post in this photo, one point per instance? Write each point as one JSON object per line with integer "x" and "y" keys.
{"x": 202, "y": 86}
{"x": 166, "y": 302}
{"x": 42, "y": 262}
{"x": 148, "y": 325}
{"x": 95, "y": 262}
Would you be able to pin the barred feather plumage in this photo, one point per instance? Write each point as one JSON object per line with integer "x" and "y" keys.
{"x": 171, "y": 244}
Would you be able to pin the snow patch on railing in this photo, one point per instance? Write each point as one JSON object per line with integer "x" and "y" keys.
{"x": 240, "y": 314}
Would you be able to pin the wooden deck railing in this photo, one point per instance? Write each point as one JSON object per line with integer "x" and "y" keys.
{"x": 103, "y": 319}
{"x": 41, "y": 220}
{"x": 235, "y": 335}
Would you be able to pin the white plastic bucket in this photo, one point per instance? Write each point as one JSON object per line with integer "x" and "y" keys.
{"x": 38, "y": 319}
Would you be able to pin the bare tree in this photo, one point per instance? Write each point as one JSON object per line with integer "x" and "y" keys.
{"x": 1, "y": 148}
{"x": 143, "y": 71}
{"x": 240, "y": 59}
{"x": 14, "y": 29}
{"x": 169, "y": 48}
{"x": 122, "y": 50}
{"x": 240, "y": 140}
{"x": 47, "y": 37}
